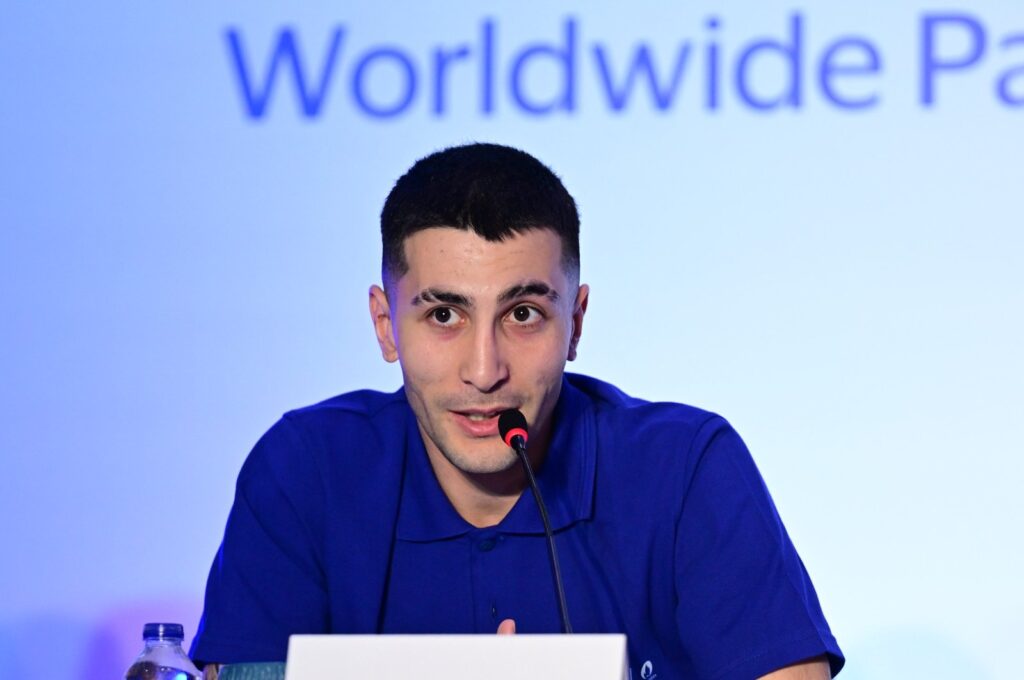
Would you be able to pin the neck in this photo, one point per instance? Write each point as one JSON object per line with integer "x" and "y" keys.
{"x": 484, "y": 499}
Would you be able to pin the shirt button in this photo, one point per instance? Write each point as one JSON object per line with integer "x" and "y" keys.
{"x": 486, "y": 545}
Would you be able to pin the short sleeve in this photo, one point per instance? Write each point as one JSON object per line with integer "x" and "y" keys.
{"x": 267, "y": 580}
{"x": 746, "y": 605}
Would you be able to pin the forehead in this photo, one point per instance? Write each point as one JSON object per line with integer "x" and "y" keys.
{"x": 462, "y": 260}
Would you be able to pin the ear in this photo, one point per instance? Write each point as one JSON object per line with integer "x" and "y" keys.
{"x": 380, "y": 314}
{"x": 582, "y": 297}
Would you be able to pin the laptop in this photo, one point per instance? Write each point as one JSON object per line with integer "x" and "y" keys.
{"x": 456, "y": 657}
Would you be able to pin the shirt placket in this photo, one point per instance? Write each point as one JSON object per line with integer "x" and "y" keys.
{"x": 485, "y": 561}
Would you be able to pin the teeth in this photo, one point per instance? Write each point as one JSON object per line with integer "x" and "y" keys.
{"x": 477, "y": 417}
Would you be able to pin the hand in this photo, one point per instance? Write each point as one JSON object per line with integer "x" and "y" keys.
{"x": 507, "y": 627}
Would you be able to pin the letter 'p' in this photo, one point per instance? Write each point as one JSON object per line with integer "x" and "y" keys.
{"x": 933, "y": 64}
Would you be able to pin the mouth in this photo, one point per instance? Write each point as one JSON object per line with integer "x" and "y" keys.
{"x": 480, "y": 416}
{"x": 479, "y": 422}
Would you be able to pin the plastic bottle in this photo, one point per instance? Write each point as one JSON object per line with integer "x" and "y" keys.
{"x": 163, "y": 658}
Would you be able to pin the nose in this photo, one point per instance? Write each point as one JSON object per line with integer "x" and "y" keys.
{"x": 484, "y": 365}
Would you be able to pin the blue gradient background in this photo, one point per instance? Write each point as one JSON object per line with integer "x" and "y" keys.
{"x": 846, "y": 287}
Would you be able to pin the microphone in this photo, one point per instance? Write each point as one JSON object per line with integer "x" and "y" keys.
{"x": 512, "y": 426}
{"x": 513, "y": 429}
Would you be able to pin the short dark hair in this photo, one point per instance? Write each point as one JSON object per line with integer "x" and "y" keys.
{"x": 494, "y": 190}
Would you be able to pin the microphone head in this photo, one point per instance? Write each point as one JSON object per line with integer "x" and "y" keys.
{"x": 512, "y": 423}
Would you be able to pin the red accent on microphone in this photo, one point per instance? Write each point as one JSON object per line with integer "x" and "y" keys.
{"x": 513, "y": 432}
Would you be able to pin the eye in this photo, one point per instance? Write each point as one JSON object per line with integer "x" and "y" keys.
{"x": 526, "y": 315}
{"x": 445, "y": 317}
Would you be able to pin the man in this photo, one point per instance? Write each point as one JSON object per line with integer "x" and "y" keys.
{"x": 405, "y": 512}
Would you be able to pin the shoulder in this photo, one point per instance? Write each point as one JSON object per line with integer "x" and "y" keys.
{"x": 349, "y": 414}
{"x": 336, "y": 432}
{"x": 630, "y": 419}
{"x": 651, "y": 452}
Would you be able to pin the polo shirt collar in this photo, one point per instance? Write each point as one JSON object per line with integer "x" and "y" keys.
{"x": 566, "y": 481}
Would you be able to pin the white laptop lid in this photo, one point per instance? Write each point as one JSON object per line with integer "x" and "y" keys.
{"x": 456, "y": 657}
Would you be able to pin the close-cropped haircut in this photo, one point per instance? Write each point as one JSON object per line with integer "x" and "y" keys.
{"x": 495, "y": 191}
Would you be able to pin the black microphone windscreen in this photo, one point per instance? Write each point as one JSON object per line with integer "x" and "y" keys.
{"x": 509, "y": 420}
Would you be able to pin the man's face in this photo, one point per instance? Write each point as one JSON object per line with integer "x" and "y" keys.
{"x": 480, "y": 327}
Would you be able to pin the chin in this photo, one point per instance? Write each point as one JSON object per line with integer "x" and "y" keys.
{"x": 482, "y": 464}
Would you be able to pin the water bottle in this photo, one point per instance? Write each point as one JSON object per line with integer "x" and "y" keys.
{"x": 163, "y": 658}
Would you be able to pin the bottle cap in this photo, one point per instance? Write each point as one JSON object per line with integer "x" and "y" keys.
{"x": 163, "y": 631}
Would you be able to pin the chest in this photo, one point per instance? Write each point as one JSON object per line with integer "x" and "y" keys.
{"x": 470, "y": 583}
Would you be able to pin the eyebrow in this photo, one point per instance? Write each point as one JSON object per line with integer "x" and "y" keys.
{"x": 438, "y": 295}
{"x": 529, "y": 289}
{"x": 526, "y": 289}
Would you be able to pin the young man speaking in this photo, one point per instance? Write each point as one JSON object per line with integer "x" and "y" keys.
{"x": 406, "y": 512}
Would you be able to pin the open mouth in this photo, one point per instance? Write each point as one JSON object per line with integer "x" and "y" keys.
{"x": 480, "y": 416}
{"x": 479, "y": 422}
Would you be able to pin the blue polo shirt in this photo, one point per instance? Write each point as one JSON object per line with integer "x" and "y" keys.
{"x": 664, "y": 528}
